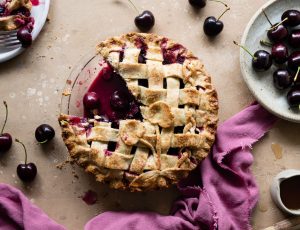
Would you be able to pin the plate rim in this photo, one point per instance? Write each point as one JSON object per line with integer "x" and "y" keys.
{"x": 34, "y": 36}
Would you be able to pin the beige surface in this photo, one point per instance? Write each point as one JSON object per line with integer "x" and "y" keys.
{"x": 32, "y": 83}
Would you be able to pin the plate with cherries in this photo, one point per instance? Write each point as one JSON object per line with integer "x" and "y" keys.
{"x": 24, "y": 22}
{"x": 270, "y": 58}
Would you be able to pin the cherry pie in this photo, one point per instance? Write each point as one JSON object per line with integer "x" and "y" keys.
{"x": 150, "y": 116}
{"x": 15, "y": 14}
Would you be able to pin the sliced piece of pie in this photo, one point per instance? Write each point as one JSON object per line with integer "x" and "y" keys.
{"x": 15, "y": 14}
{"x": 150, "y": 116}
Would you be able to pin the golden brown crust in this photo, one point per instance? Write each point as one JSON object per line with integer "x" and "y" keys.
{"x": 141, "y": 160}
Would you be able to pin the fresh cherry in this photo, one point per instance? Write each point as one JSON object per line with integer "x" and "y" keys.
{"x": 278, "y": 33}
{"x": 293, "y": 17}
{"x": 213, "y": 26}
{"x": 27, "y": 171}
{"x": 2, "y": 9}
{"x": 24, "y": 36}
{"x": 5, "y": 138}
{"x": 261, "y": 59}
{"x": 119, "y": 101}
{"x": 293, "y": 96}
{"x": 145, "y": 21}
{"x": 91, "y": 100}
{"x": 282, "y": 79}
{"x": 294, "y": 38}
{"x": 280, "y": 51}
{"x": 294, "y": 61}
{"x": 44, "y": 133}
{"x": 198, "y": 3}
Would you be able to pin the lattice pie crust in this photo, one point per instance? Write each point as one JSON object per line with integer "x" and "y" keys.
{"x": 141, "y": 160}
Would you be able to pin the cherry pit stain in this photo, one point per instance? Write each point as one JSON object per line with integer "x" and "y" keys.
{"x": 90, "y": 197}
{"x": 277, "y": 150}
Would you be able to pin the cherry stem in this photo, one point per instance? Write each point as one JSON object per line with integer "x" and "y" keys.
{"x": 6, "y": 115}
{"x": 20, "y": 142}
{"x": 265, "y": 43}
{"x": 297, "y": 74}
{"x": 223, "y": 13}
{"x": 264, "y": 12}
{"x": 274, "y": 27}
{"x": 244, "y": 48}
{"x": 220, "y": 2}
{"x": 134, "y": 6}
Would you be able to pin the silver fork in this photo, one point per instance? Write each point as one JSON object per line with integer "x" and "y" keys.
{"x": 8, "y": 40}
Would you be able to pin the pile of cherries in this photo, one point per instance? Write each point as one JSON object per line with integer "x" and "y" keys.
{"x": 27, "y": 171}
{"x": 282, "y": 35}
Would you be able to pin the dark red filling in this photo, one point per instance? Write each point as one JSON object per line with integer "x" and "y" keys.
{"x": 116, "y": 102}
{"x": 140, "y": 43}
{"x": 174, "y": 54}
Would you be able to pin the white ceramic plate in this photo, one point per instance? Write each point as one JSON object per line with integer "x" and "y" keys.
{"x": 261, "y": 84}
{"x": 39, "y": 13}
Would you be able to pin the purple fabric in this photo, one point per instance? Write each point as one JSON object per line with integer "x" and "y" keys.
{"x": 219, "y": 194}
{"x": 17, "y": 212}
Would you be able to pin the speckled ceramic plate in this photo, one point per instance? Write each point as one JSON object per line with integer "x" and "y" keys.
{"x": 261, "y": 84}
{"x": 39, "y": 13}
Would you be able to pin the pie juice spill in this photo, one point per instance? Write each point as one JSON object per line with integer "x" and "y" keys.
{"x": 35, "y": 2}
{"x": 90, "y": 197}
{"x": 289, "y": 192}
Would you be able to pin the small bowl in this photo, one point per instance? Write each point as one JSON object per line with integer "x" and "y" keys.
{"x": 261, "y": 84}
{"x": 78, "y": 83}
{"x": 275, "y": 189}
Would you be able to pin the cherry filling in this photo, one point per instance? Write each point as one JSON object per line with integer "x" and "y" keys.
{"x": 140, "y": 43}
{"x": 174, "y": 54}
{"x": 110, "y": 98}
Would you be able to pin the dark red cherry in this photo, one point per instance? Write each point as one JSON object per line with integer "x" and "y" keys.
{"x": 294, "y": 61}
{"x": 145, "y": 21}
{"x": 5, "y": 142}
{"x": 293, "y": 17}
{"x": 2, "y": 9}
{"x": 282, "y": 79}
{"x": 294, "y": 96}
{"x": 278, "y": 33}
{"x": 294, "y": 39}
{"x": 24, "y": 36}
{"x": 198, "y": 3}
{"x": 212, "y": 27}
{"x": 91, "y": 101}
{"x": 44, "y": 133}
{"x": 119, "y": 101}
{"x": 280, "y": 53}
{"x": 27, "y": 171}
{"x": 262, "y": 61}
{"x": 5, "y": 138}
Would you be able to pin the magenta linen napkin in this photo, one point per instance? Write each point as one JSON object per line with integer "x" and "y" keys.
{"x": 17, "y": 212}
{"x": 219, "y": 194}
